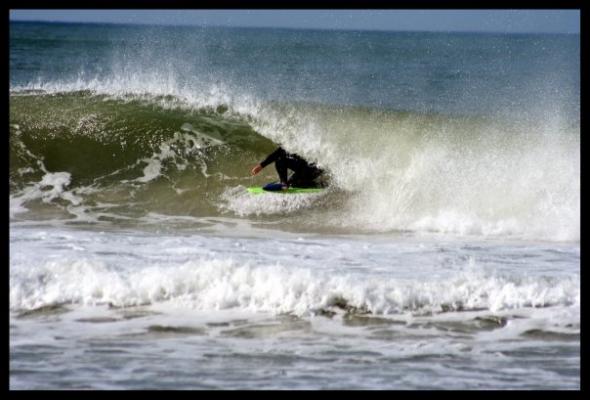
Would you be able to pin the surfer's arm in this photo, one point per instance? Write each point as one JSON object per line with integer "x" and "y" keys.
{"x": 273, "y": 157}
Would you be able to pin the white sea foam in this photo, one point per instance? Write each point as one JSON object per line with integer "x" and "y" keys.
{"x": 191, "y": 141}
{"x": 239, "y": 201}
{"x": 51, "y": 187}
{"x": 213, "y": 284}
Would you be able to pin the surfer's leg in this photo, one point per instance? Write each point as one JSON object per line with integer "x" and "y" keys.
{"x": 303, "y": 178}
{"x": 281, "y": 166}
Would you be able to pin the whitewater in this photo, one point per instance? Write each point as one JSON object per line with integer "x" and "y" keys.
{"x": 443, "y": 255}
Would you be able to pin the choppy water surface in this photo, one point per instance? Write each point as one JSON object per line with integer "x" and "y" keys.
{"x": 444, "y": 254}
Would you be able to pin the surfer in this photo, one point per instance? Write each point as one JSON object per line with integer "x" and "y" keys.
{"x": 305, "y": 175}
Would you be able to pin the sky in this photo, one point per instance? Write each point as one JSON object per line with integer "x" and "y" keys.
{"x": 509, "y": 21}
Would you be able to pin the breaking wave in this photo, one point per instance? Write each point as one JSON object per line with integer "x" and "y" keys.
{"x": 105, "y": 151}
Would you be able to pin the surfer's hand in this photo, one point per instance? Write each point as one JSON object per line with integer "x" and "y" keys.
{"x": 256, "y": 169}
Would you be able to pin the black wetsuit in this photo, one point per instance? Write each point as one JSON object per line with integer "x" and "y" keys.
{"x": 304, "y": 173}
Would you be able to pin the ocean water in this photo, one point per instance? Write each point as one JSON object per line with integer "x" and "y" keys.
{"x": 445, "y": 253}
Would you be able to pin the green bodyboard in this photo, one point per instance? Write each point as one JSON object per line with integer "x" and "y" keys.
{"x": 291, "y": 190}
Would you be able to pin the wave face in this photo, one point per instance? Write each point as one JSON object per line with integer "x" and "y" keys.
{"x": 81, "y": 148}
{"x": 478, "y": 154}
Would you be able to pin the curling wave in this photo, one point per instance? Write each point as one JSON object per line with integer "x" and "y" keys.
{"x": 124, "y": 153}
